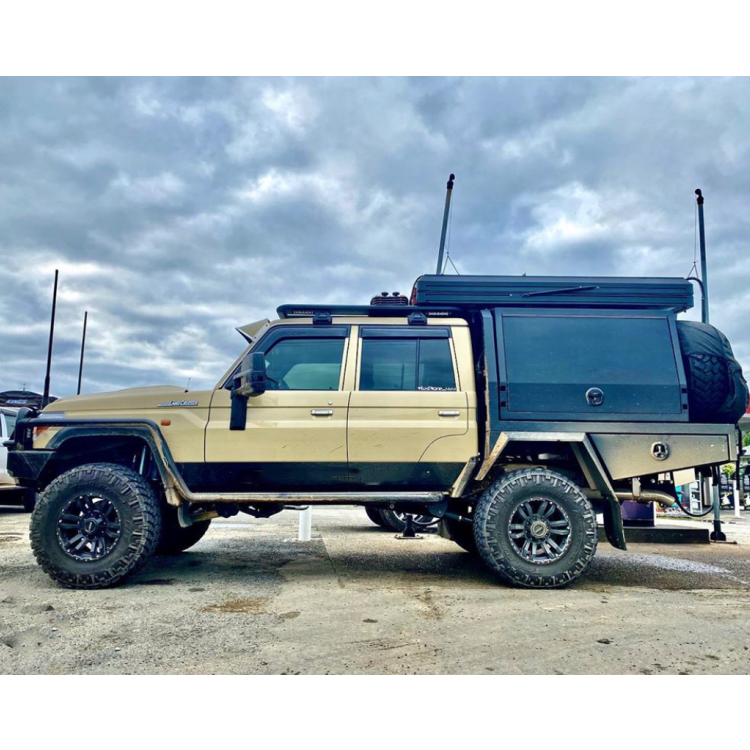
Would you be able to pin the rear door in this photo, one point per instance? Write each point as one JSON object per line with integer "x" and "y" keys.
{"x": 409, "y": 412}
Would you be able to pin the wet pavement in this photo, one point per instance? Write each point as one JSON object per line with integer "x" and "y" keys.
{"x": 249, "y": 598}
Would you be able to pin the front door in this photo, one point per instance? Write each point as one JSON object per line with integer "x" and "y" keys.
{"x": 410, "y": 415}
{"x": 295, "y": 436}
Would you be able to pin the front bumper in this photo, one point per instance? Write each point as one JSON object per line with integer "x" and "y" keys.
{"x": 27, "y": 465}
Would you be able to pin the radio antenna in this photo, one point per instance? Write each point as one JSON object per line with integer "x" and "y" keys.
{"x": 83, "y": 349}
{"x": 45, "y": 395}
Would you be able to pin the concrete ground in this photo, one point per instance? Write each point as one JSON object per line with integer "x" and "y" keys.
{"x": 251, "y": 599}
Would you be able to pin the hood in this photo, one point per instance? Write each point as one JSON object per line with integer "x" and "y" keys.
{"x": 129, "y": 398}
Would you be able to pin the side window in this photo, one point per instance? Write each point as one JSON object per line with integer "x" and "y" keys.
{"x": 10, "y": 424}
{"x": 304, "y": 364}
{"x": 406, "y": 365}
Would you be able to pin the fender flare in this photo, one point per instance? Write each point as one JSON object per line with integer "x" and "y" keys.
{"x": 591, "y": 466}
{"x": 143, "y": 429}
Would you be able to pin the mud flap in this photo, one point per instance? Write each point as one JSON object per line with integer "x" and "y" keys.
{"x": 613, "y": 527}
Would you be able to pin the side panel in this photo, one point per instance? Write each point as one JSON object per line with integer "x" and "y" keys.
{"x": 589, "y": 365}
{"x": 628, "y": 456}
{"x": 186, "y": 425}
{"x": 283, "y": 445}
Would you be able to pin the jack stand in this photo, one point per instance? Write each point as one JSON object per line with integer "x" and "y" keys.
{"x": 408, "y": 532}
{"x": 717, "y": 535}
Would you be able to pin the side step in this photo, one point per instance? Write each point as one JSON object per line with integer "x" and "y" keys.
{"x": 316, "y": 498}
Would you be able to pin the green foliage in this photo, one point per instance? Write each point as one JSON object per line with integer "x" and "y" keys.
{"x": 728, "y": 469}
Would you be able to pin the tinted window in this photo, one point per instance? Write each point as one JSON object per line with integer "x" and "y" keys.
{"x": 406, "y": 365}
{"x": 304, "y": 365}
{"x": 10, "y": 423}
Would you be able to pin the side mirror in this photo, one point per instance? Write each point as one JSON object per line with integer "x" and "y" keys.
{"x": 249, "y": 381}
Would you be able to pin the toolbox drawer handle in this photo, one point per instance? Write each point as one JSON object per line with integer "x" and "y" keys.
{"x": 321, "y": 412}
{"x": 450, "y": 413}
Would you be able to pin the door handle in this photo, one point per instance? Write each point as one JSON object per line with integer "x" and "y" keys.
{"x": 451, "y": 413}
{"x": 321, "y": 412}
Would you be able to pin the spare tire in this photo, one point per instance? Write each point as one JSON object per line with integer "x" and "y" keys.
{"x": 717, "y": 389}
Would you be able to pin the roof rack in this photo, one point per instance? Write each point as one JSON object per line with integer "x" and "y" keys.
{"x": 372, "y": 311}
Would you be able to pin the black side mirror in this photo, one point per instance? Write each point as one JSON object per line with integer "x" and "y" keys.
{"x": 249, "y": 381}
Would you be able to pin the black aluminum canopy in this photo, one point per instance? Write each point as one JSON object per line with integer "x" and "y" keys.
{"x": 672, "y": 294}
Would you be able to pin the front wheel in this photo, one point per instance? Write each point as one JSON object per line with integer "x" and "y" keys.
{"x": 95, "y": 525}
{"x": 535, "y": 528}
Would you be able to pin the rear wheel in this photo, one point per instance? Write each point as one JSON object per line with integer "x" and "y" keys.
{"x": 95, "y": 525}
{"x": 462, "y": 533}
{"x": 175, "y": 538}
{"x": 374, "y": 515}
{"x": 535, "y": 528}
{"x": 396, "y": 521}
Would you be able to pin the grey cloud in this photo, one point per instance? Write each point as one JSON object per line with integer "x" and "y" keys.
{"x": 177, "y": 209}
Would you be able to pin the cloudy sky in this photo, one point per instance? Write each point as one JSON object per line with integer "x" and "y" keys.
{"x": 178, "y": 209}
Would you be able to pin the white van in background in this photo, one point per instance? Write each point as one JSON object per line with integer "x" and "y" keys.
{"x": 10, "y": 494}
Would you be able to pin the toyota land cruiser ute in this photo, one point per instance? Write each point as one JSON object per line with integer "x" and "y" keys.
{"x": 513, "y": 409}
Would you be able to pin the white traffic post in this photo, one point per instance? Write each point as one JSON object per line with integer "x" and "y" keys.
{"x": 736, "y": 484}
{"x": 305, "y": 525}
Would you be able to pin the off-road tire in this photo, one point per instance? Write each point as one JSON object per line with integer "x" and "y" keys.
{"x": 375, "y": 516}
{"x": 708, "y": 386}
{"x": 392, "y": 521}
{"x": 462, "y": 533}
{"x": 175, "y": 538}
{"x": 140, "y": 520}
{"x": 498, "y": 506}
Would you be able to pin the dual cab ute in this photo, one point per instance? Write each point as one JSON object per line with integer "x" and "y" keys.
{"x": 513, "y": 409}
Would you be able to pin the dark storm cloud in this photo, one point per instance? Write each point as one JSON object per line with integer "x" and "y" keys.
{"x": 177, "y": 209}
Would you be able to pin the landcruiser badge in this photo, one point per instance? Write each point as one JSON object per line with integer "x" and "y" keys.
{"x": 660, "y": 451}
{"x": 179, "y": 403}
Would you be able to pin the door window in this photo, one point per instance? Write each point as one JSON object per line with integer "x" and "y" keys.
{"x": 304, "y": 364}
{"x": 390, "y": 364}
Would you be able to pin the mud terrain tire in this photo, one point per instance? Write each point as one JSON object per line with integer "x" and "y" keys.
{"x": 462, "y": 533}
{"x": 535, "y": 529}
{"x": 175, "y": 538}
{"x": 374, "y": 515}
{"x": 72, "y": 505}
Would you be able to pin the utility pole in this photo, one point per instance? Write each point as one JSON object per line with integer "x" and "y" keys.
{"x": 45, "y": 396}
{"x": 704, "y": 271}
{"x": 446, "y": 212}
{"x": 83, "y": 349}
